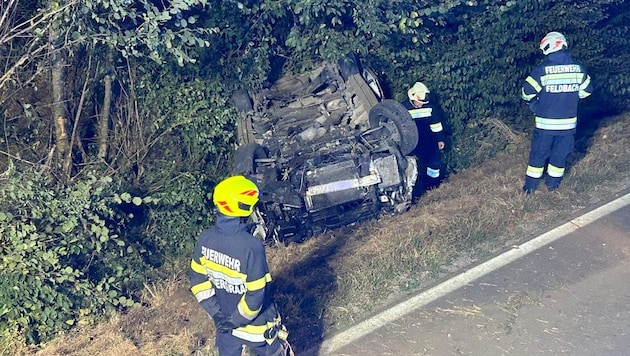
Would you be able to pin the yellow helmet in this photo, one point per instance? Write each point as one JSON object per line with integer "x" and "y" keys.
{"x": 236, "y": 196}
{"x": 418, "y": 92}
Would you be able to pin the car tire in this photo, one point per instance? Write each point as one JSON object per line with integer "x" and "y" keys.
{"x": 245, "y": 157}
{"x": 397, "y": 121}
{"x": 242, "y": 101}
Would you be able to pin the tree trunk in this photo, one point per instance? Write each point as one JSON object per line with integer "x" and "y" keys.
{"x": 103, "y": 123}
{"x": 58, "y": 107}
{"x": 59, "y": 110}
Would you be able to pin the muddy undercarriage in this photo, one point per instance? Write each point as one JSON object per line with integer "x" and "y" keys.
{"x": 326, "y": 151}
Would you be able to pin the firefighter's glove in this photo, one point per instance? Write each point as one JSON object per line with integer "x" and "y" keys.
{"x": 223, "y": 322}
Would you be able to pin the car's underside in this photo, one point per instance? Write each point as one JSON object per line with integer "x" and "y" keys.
{"x": 325, "y": 153}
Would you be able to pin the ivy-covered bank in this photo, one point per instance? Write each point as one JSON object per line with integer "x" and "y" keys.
{"x": 117, "y": 122}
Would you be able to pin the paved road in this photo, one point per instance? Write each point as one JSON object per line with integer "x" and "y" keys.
{"x": 566, "y": 292}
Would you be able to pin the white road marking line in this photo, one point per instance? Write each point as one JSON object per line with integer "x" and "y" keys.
{"x": 348, "y": 336}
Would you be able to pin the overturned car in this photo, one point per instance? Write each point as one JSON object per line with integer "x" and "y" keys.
{"x": 325, "y": 149}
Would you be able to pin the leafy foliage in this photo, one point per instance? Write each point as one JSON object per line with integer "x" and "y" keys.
{"x": 79, "y": 251}
{"x": 184, "y": 137}
{"x": 472, "y": 54}
{"x": 240, "y": 55}
{"x": 63, "y": 256}
{"x": 140, "y": 28}
{"x": 478, "y": 57}
{"x": 181, "y": 126}
{"x": 183, "y": 211}
{"x": 332, "y": 29}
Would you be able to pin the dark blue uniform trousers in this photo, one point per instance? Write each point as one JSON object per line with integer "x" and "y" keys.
{"x": 230, "y": 345}
{"x": 429, "y": 164}
{"x": 548, "y": 149}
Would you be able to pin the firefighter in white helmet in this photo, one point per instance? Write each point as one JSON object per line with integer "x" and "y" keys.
{"x": 428, "y": 119}
{"x": 553, "y": 90}
{"x": 230, "y": 278}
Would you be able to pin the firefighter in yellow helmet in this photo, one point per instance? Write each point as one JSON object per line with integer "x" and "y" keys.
{"x": 428, "y": 119}
{"x": 230, "y": 278}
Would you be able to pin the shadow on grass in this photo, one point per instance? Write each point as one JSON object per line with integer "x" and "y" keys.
{"x": 302, "y": 293}
{"x": 590, "y": 120}
{"x": 583, "y": 139}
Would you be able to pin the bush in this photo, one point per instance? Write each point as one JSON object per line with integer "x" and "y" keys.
{"x": 63, "y": 256}
{"x": 477, "y": 57}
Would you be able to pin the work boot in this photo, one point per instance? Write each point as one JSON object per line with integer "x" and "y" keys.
{"x": 553, "y": 183}
{"x": 431, "y": 183}
{"x": 530, "y": 184}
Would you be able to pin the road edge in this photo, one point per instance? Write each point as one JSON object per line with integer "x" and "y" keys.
{"x": 337, "y": 341}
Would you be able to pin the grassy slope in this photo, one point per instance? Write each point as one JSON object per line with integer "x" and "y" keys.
{"x": 335, "y": 280}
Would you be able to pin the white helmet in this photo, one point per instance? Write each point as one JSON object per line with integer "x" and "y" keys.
{"x": 553, "y": 42}
{"x": 418, "y": 92}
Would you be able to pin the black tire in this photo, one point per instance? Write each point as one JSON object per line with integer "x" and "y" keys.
{"x": 245, "y": 157}
{"x": 397, "y": 122}
{"x": 242, "y": 101}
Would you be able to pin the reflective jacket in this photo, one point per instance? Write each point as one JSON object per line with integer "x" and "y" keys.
{"x": 553, "y": 90}
{"x": 428, "y": 121}
{"x": 229, "y": 273}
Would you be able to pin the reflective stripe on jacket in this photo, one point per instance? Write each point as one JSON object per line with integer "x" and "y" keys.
{"x": 553, "y": 90}
{"x": 427, "y": 119}
{"x": 229, "y": 272}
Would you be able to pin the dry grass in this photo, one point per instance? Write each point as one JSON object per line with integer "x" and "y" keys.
{"x": 339, "y": 278}
{"x": 169, "y": 323}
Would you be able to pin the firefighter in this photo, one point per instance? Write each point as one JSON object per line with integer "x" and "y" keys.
{"x": 230, "y": 278}
{"x": 430, "y": 135}
{"x": 552, "y": 91}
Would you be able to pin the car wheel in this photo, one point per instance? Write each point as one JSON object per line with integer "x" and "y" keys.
{"x": 242, "y": 101}
{"x": 245, "y": 158}
{"x": 396, "y": 121}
